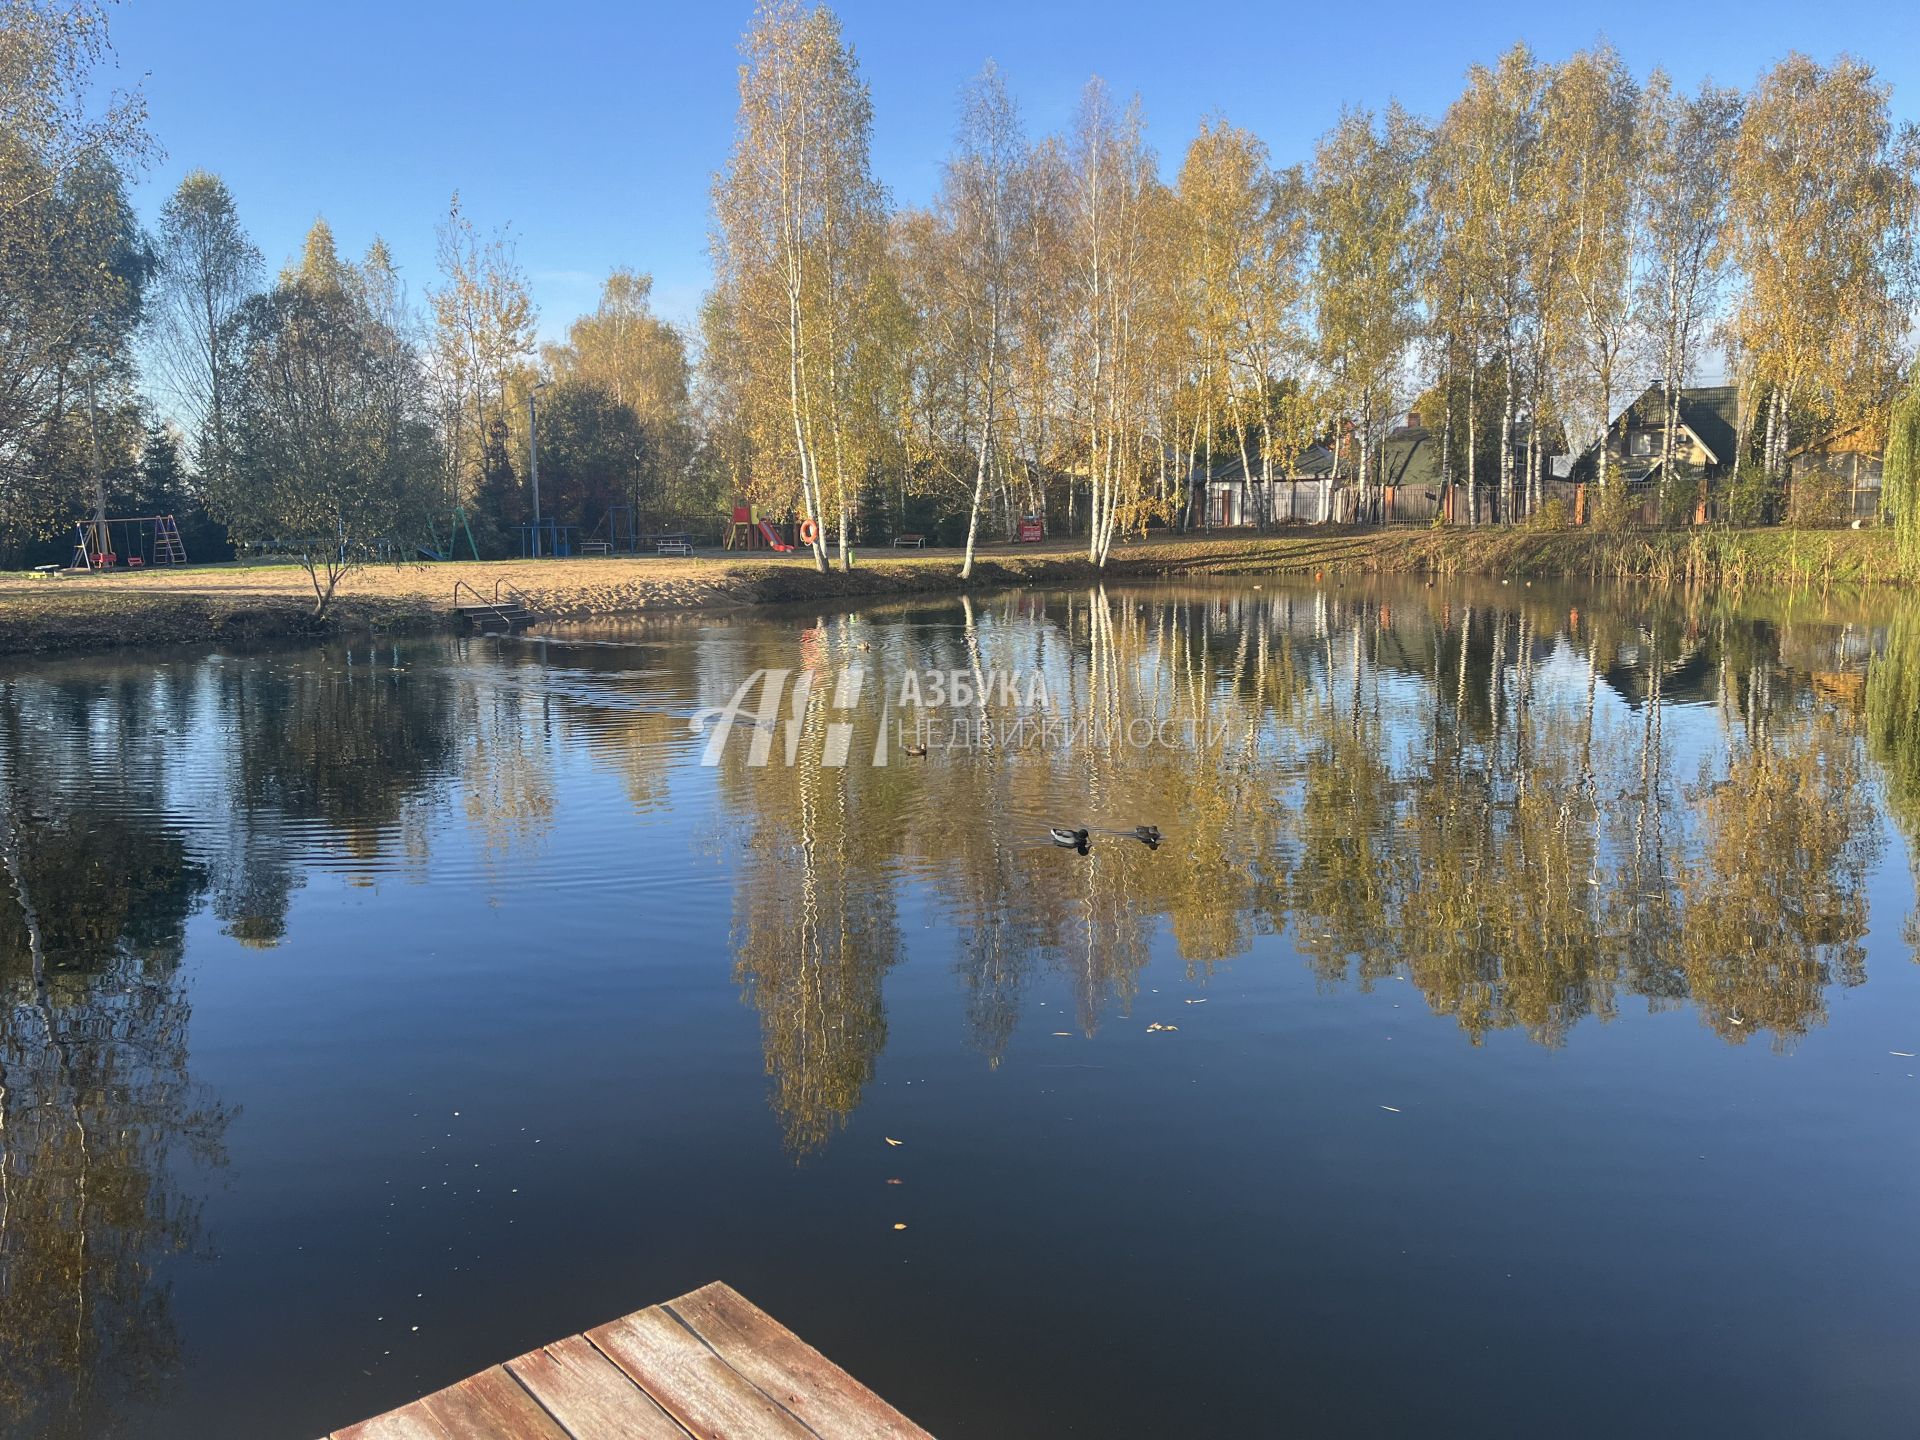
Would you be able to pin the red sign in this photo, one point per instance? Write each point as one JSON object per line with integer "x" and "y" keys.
{"x": 1031, "y": 533}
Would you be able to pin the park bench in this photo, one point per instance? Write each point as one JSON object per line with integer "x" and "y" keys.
{"x": 673, "y": 545}
{"x": 909, "y": 542}
{"x": 596, "y": 547}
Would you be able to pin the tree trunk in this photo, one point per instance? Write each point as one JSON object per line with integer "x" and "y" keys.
{"x": 1473, "y": 443}
{"x": 809, "y": 496}
{"x": 93, "y": 467}
{"x": 1506, "y": 442}
{"x": 986, "y": 430}
{"x": 1446, "y": 427}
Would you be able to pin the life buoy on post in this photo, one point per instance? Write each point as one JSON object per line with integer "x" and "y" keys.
{"x": 809, "y": 532}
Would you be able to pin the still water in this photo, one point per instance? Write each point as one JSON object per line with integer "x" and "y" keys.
{"x": 1512, "y": 1034}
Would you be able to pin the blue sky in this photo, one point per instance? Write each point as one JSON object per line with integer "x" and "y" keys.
{"x": 594, "y": 126}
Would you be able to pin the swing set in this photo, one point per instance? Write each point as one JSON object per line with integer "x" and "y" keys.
{"x": 135, "y": 541}
{"x": 457, "y": 529}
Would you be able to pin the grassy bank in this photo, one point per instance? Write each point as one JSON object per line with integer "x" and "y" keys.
{"x": 1739, "y": 558}
{"x": 246, "y": 603}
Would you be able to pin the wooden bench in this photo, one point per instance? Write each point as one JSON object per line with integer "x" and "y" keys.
{"x": 596, "y": 547}
{"x": 675, "y": 546}
{"x": 909, "y": 542}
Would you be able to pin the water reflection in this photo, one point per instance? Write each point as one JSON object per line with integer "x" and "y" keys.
{"x": 1536, "y": 807}
{"x": 99, "y": 1114}
{"x": 1480, "y": 798}
{"x": 1892, "y": 719}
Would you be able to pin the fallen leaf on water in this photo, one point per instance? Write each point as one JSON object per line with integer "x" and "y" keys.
{"x": 893, "y": 1182}
{"x": 1903, "y": 1054}
{"x": 1067, "y": 1033}
{"x": 891, "y": 1141}
{"x": 1200, "y": 1001}
{"x": 1394, "y": 1108}
{"x": 898, "y": 1226}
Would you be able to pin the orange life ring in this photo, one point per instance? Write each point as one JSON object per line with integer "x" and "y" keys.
{"x": 809, "y": 532}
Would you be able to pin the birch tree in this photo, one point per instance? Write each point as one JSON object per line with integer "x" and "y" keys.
{"x": 1456, "y": 315}
{"x": 1683, "y": 196}
{"x": 484, "y": 322}
{"x": 207, "y": 268}
{"x": 1484, "y": 149}
{"x": 1241, "y": 231}
{"x": 1821, "y": 225}
{"x": 799, "y": 230}
{"x": 1591, "y": 150}
{"x": 1365, "y": 285}
{"x": 981, "y": 198}
{"x": 1039, "y": 324}
{"x": 1117, "y": 202}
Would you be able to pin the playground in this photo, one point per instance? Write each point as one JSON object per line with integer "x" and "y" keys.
{"x": 135, "y": 541}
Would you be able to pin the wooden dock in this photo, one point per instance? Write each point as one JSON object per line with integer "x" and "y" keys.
{"x": 710, "y": 1365}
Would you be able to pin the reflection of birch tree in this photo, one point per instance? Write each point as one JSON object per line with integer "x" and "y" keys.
{"x": 1776, "y": 901}
{"x": 815, "y": 927}
{"x": 97, "y": 1106}
{"x": 1475, "y": 798}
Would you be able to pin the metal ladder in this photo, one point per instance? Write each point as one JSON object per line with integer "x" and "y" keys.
{"x": 511, "y": 612}
{"x": 167, "y": 546}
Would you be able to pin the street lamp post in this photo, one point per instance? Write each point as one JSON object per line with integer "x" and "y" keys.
{"x": 533, "y": 459}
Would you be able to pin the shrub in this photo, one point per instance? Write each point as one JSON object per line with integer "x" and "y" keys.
{"x": 1751, "y": 495}
{"x": 1679, "y": 495}
{"x": 1819, "y": 497}
{"x": 1612, "y": 507}
{"x": 1552, "y": 515}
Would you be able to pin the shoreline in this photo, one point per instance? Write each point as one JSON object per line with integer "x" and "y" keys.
{"x": 273, "y": 603}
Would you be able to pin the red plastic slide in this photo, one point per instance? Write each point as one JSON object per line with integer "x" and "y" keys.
{"x": 772, "y": 539}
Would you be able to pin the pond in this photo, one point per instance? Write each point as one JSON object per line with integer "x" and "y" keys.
{"x": 1513, "y": 1029}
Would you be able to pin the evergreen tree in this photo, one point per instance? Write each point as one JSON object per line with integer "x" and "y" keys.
{"x": 163, "y": 474}
{"x": 594, "y": 454}
{"x": 499, "y": 507}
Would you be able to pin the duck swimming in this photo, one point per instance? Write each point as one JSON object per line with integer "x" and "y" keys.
{"x": 1069, "y": 839}
{"x": 1147, "y": 835}
{"x": 919, "y": 752}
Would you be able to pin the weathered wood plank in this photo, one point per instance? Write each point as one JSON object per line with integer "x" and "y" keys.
{"x": 710, "y": 1365}
{"x": 779, "y": 1362}
{"x": 691, "y": 1382}
{"x": 590, "y": 1395}
{"x": 410, "y": 1422}
{"x": 491, "y": 1406}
